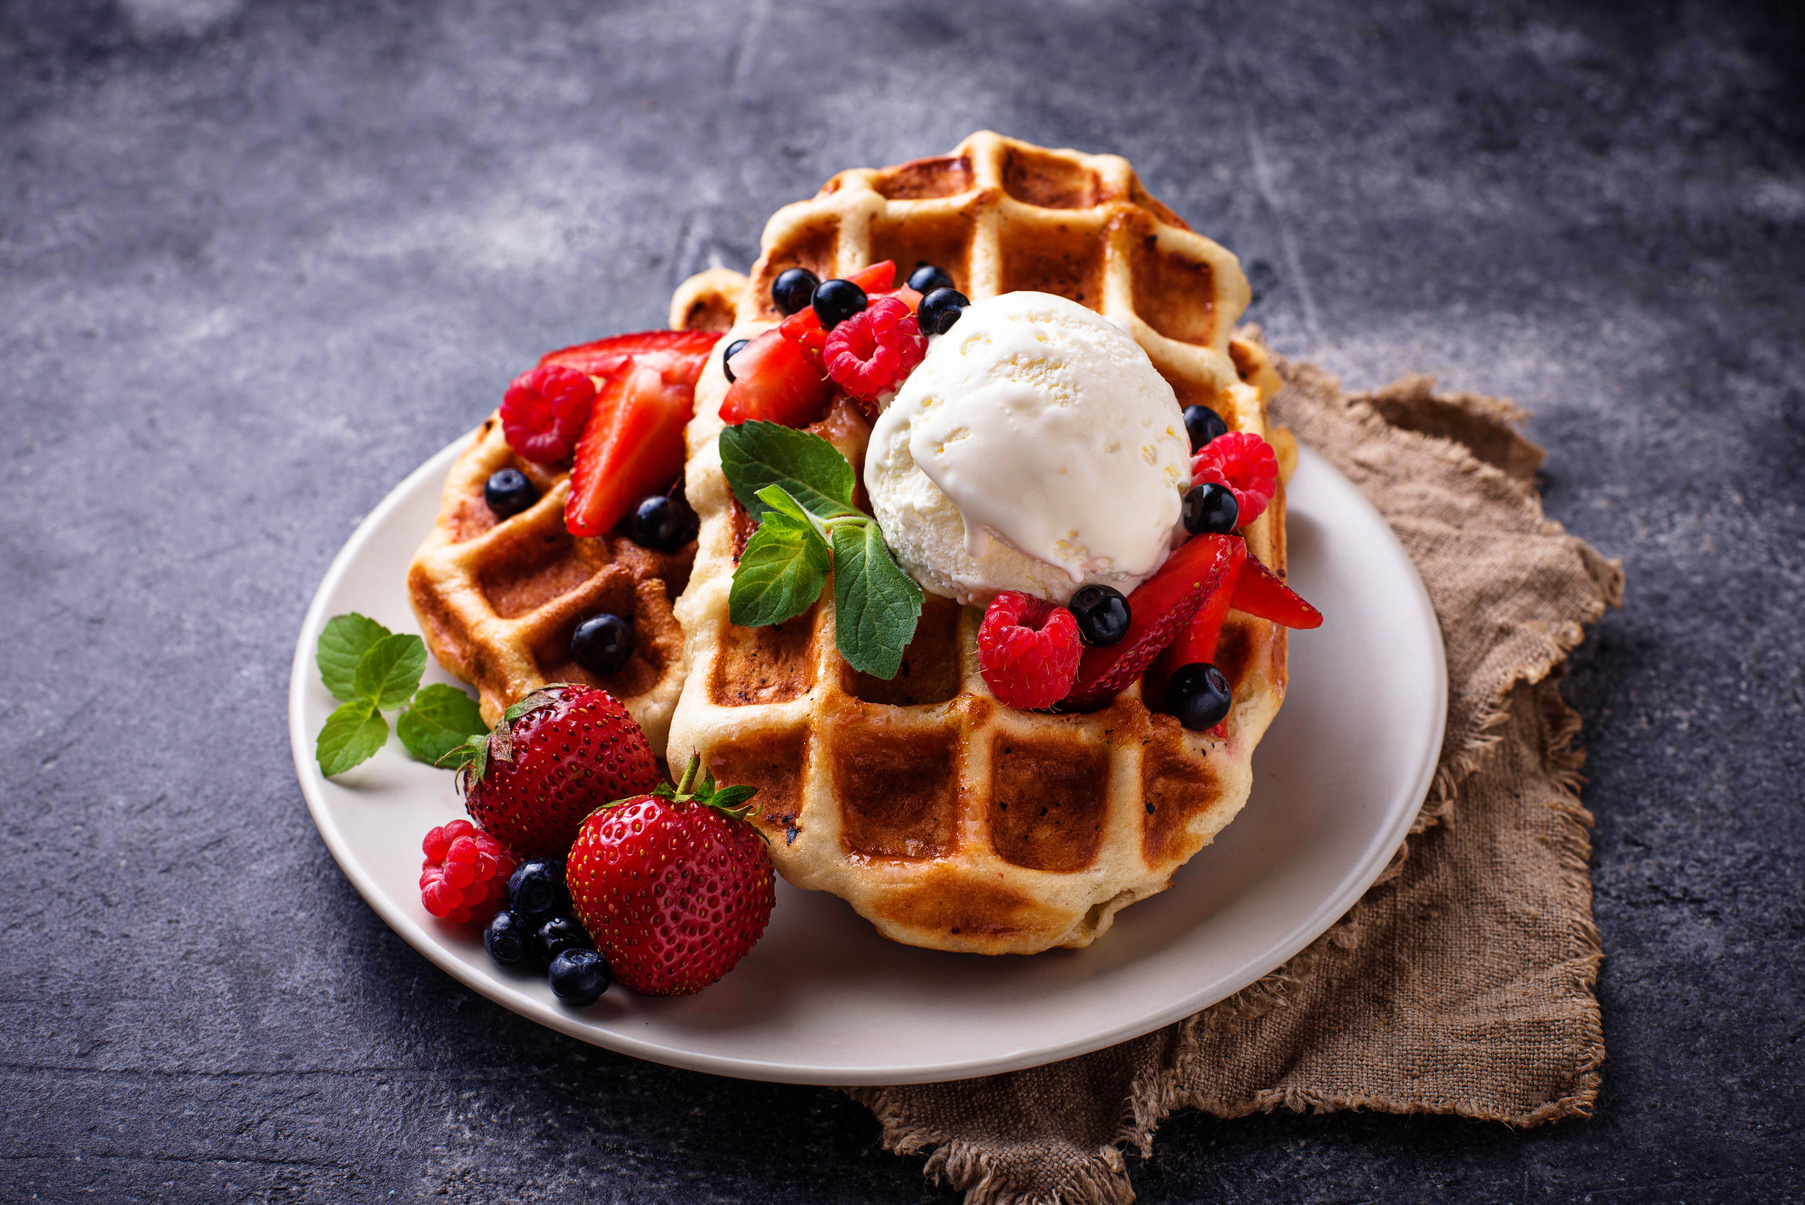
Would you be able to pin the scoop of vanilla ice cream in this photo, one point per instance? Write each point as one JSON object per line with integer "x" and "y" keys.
{"x": 1035, "y": 448}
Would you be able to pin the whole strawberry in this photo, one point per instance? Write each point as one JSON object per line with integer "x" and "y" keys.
{"x": 555, "y": 757}
{"x": 675, "y": 887}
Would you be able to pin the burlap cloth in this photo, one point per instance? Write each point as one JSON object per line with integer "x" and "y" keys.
{"x": 1462, "y": 981}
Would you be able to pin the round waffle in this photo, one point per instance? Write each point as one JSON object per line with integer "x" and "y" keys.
{"x": 498, "y": 600}
{"x": 946, "y": 818}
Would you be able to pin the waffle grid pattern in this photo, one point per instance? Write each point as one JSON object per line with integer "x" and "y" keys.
{"x": 498, "y": 601}
{"x": 947, "y": 819}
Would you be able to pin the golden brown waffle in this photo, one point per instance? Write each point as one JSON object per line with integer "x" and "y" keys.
{"x": 498, "y": 601}
{"x": 946, "y": 818}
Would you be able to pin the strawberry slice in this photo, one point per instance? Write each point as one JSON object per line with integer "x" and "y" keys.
{"x": 1158, "y": 610}
{"x": 803, "y": 328}
{"x": 632, "y": 447}
{"x": 907, "y": 296}
{"x": 1198, "y": 640}
{"x": 1259, "y": 591}
{"x": 677, "y": 356}
{"x": 878, "y": 278}
{"x": 774, "y": 381}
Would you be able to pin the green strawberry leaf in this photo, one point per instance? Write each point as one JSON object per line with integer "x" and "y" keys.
{"x": 390, "y": 670}
{"x": 876, "y": 604}
{"x": 440, "y": 719}
{"x": 352, "y": 735}
{"x": 780, "y": 574}
{"x": 755, "y": 455}
{"x": 342, "y": 645}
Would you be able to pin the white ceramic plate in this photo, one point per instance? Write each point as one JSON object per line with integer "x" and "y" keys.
{"x": 823, "y": 999}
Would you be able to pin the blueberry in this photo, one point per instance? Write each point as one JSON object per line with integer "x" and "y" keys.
{"x": 733, "y": 349}
{"x": 536, "y": 890}
{"x": 939, "y": 310}
{"x": 508, "y": 492}
{"x": 664, "y": 523}
{"x": 602, "y": 643}
{"x": 1203, "y": 425}
{"x": 505, "y": 939}
{"x": 1211, "y": 508}
{"x": 1198, "y": 695}
{"x": 793, "y": 288}
{"x": 579, "y": 977}
{"x": 927, "y": 278}
{"x": 1102, "y": 615}
{"x": 837, "y": 300}
{"x": 555, "y": 936}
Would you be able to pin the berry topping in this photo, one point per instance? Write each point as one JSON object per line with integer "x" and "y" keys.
{"x": 939, "y": 310}
{"x": 1159, "y": 609}
{"x": 793, "y": 288}
{"x": 733, "y": 349}
{"x": 555, "y": 936}
{"x": 837, "y": 300}
{"x": 1203, "y": 424}
{"x": 508, "y": 492}
{"x": 536, "y": 890}
{"x": 927, "y": 278}
{"x": 1102, "y": 615}
{"x": 777, "y": 383}
{"x": 602, "y": 643}
{"x": 1199, "y": 639}
{"x": 677, "y": 356}
{"x": 663, "y": 522}
{"x": 803, "y": 328}
{"x": 675, "y": 887}
{"x": 544, "y": 410}
{"x": 556, "y": 756}
{"x": 1210, "y": 508}
{"x": 1260, "y": 592}
{"x": 1028, "y": 650}
{"x": 465, "y": 873}
{"x": 579, "y": 977}
{"x": 869, "y": 354}
{"x": 1198, "y": 695}
{"x": 505, "y": 939}
{"x": 1244, "y": 463}
{"x": 632, "y": 447}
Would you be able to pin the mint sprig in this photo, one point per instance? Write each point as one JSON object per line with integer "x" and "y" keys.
{"x": 370, "y": 670}
{"x": 799, "y": 487}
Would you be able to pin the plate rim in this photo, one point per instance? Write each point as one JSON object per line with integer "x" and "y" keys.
{"x": 442, "y": 954}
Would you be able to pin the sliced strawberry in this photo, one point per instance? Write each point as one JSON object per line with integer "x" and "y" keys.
{"x": 632, "y": 447}
{"x": 677, "y": 356}
{"x": 1259, "y": 591}
{"x": 1198, "y": 640}
{"x": 774, "y": 381}
{"x": 803, "y": 328}
{"x": 906, "y": 295}
{"x": 878, "y": 278}
{"x": 1159, "y": 609}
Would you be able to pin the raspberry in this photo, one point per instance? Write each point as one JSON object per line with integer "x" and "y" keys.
{"x": 544, "y": 411}
{"x": 871, "y": 352}
{"x": 1244, "y": 463}
{"x": 465, "y": 875}
{"x": 1028, "y": 650}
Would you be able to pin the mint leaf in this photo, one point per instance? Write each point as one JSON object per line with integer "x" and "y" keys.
{"x": 342, "y": 645}
{"x": 389, "y": 670}
{"x": 440, "y": 719}
{"x": 780, "y": 573}
{"x": 876, "y": 604}
{"x": 755, "y": 455}
{"x": 352, "y": 735}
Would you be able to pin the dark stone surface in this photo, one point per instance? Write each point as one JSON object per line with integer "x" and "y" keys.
{"x": 259, "y": 260}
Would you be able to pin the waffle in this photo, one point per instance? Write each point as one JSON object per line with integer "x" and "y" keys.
{"x": 498, "y": 601}
{"x": 944, "y": 817}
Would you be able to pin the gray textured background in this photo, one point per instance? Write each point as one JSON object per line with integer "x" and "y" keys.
{"x": 259, "y": 260}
